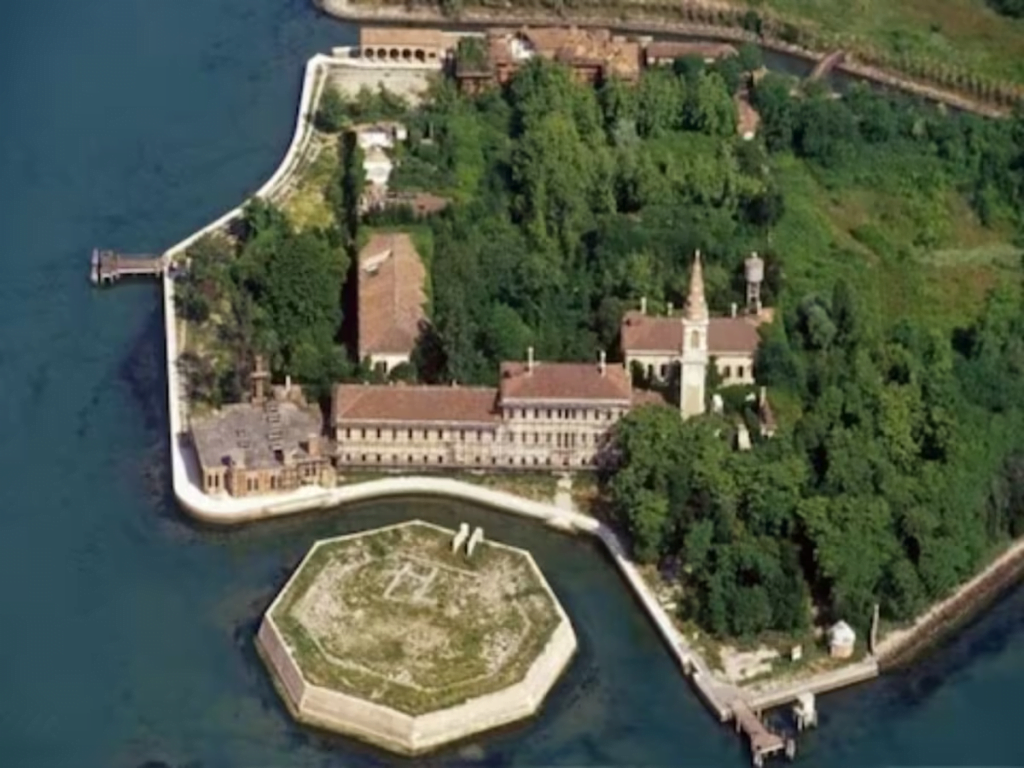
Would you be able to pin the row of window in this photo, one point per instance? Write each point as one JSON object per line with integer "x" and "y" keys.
{"x": 252, "y": 482}
{"x": 571, "y": 414}
{"x": 726, "y": 371}
{"x": 411, "y": 434}
{"x": 561, "y": 439}
{"x": 363, "y": 458}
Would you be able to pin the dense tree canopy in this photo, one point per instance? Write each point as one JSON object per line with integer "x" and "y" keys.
{"x": 897, "y": 467}
{"x": 1014, "y": 8}
{"x": 890, "y": 488}
{"x": 894, "y": 477}
{"x": 275, "y": 292}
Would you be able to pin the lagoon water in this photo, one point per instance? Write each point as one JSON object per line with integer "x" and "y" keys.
{"x": 125, "y": 630}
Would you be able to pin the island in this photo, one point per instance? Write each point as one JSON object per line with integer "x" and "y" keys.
{"x": 413, "y": 636}
{"x": 760, "y": 341}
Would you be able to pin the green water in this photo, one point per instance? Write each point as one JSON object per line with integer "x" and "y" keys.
{"x": 126, "y": 631}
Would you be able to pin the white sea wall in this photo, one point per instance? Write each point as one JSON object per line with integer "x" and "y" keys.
{"x": 408, "y": 734}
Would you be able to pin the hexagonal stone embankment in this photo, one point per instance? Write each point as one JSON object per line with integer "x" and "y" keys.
{"x": 390, "y": 637}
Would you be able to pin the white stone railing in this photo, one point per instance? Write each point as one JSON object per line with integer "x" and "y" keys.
{"x": 312, "y": 84}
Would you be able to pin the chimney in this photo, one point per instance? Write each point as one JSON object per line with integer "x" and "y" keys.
{"x": 259, "y": 380}
{"x": 643, "y": 305}
{"x": 732, "y": 309}
{"x": 602, "y": 364}
{"x": 287, "y": 385}
{"x": 670, "y": 309}
{"x": 529, "y": 359}
{"x": 455, "y": 382}
{"x": 313, "y": 446}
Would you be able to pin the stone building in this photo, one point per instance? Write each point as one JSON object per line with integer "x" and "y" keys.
{"x": 268, "y": 444}
{"x": 541, "y": 416}
{"x": 665, "y": 52}
{"x": 376, "y": 140}
{"x": 391, "y": 299}
{"x": 404, "y": 44}
{"x": 659, "y": 343}
{"x": 383, "y": 135}
{"x": 592, "y": 54}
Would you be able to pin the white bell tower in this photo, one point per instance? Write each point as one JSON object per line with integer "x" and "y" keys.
{"x": 694, "y": 367}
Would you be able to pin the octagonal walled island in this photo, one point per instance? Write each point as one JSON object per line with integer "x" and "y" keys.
{"x": 414, "y": 636}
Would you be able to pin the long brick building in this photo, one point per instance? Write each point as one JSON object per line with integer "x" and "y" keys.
{"x": 541, "y": 416}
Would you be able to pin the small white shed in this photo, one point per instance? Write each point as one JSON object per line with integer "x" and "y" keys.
{"x": 841, "y": 639}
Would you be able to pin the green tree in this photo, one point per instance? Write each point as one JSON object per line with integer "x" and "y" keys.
{"x": 331, "y": 115}
{"x": 712, "y": 111}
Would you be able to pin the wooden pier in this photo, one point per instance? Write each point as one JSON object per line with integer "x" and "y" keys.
{"x": 763, "y": 743}
{"x": 107, "y": 267}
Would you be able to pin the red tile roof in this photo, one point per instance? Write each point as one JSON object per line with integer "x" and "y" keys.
{"x": 399, "y": 37}
{"x": 422, "y": 404}
{"x": 649, "y": 397}
{"x": 391, "y": 296}
{"x": 666, "y": 50}
{"x": 571, "y": 45}
{"x": 646, "y": 333}
{"x": 564, "y": 382}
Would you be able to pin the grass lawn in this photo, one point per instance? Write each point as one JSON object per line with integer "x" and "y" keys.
{"x": 965, "y": 33}
{"x": 872, "y": 238}
{"x": 306, "y": 203}
{"x": 540, "y": 486}
{"x": 394, "y": 616}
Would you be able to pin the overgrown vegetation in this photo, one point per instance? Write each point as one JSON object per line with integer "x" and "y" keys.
{"x": 1012, "y": 8}
{"x": 574, "y": 203}
{"x": 274, "y": 291}
{"x": 894, "y": 366}
{"x": 414, "y": 626}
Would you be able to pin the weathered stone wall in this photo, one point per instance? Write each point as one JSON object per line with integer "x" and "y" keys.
{"x": 284, "y": 669}
{"x": 403, "y": 733}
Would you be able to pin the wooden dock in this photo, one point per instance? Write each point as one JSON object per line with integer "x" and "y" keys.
{"x": 107, "y": 267}
{"x": 763, "y": 743}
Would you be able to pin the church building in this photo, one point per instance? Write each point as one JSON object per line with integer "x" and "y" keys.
{"x": 695, "y": 340}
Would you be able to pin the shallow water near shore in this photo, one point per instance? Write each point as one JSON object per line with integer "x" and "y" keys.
{"x": 126, "y": 633}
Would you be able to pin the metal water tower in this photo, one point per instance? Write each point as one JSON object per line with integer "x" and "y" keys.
{"x": 753, "y": 269}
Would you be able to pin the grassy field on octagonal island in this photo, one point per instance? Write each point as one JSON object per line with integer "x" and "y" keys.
{"x": 395, "y": 617}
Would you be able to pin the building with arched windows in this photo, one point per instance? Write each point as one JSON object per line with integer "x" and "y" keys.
{"x": 407, "y": 45}
{"x": 541, "y": 416}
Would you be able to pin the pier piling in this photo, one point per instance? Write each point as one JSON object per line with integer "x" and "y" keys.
{"x": 107, "y": 267}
